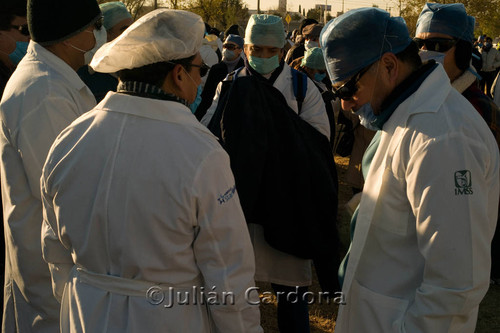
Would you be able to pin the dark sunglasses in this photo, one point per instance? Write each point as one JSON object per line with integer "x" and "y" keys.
{"x": 23, "y": 28}
{"x": 98, "y": 24}
{"x": 435, "y": 44}
{"x": 230, "y": 46}
{"x": 348, "y": 89}
{"x": 203, "y": 69}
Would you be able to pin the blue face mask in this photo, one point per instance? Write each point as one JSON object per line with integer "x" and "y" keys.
{"x": 264, "y": 66}
{"x": 19, "y": 52}
{"x": 319, "y": 77}
{"x": 367, "y": 116}
{"x": 228, "y": 55}
{"x": 193, "y": 106}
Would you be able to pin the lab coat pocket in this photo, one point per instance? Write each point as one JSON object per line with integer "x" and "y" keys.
{"x": 374, "y": 312}
{"x": 392, "y": 211}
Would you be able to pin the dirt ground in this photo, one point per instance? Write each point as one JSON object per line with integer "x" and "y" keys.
{"x": 322, "y": 316}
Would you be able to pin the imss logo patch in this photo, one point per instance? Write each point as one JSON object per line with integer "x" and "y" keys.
{"x": 463, "y": 182}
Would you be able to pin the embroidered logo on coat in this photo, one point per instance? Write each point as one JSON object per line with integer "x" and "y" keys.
{"x": 223, "y": 198}
{"x": 463, "y": 183}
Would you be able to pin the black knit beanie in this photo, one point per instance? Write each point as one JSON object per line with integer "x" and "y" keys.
{"x": 52, "y": 21}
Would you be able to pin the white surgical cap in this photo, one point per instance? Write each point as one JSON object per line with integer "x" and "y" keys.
{"x": 113, "y": 13}
{"x": 265, "y": 30}
{"x": 161, "y": 35}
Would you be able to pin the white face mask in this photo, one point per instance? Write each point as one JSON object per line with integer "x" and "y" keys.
{"x": 310, "y": 44}
{"x": 426, "y": 55}
{"x": 100, "y": 39}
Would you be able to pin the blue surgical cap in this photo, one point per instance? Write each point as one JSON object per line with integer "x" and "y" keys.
{"x": 235, "y": 39}
{"x": 113, "y": 13}
{"x": 313, "y": 58}
{"x": 265, "y": 30}
{"x": 449, "y": 19}
{"x": 360, "y": 37}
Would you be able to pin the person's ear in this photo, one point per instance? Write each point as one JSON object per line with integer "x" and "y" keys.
{"x": 390, "y": 67}
{"x": 173, "y": 82}
{"x": 177, "y": 75}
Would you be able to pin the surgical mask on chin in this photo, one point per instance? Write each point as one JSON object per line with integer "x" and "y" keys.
{"x": 319, "y": 77}
{"x": 264, "y": 66}
{"x": 228, "y": 55}
{"x": 426, "y": 55}
{"x": 193, "y": 106}
{"x": 310, "y": 44}
{"x": 367, "y": 116}
{"x": 19, "y": 52}
{"x": 100, "y": 39}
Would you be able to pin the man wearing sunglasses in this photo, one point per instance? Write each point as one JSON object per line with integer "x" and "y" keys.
{"x": 14, "y": 38}
{"x": 445, "y": 32}
{"x": 419, "y": 259}
{"x": 231, "y": 60}
{"x": 42, "y": 97}
{"x": 158, "y": 214}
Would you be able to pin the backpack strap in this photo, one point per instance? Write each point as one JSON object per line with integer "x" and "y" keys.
{"x": 299, "y": 81}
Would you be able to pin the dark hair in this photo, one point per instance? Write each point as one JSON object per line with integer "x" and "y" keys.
{"x": 306, "y": 22}
{"x": 463, "y": 54}
{"x": 410, "y": 55}
{"x": 8, "y": 11}
{"x": 234, "y": 30}
{"x": 154, "y": 74}
{"x": 488, "y": 39}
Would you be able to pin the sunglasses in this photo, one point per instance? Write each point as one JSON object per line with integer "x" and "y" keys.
{"x": 98, "y": 24}
{"x": 348, "y": 89}
{"x": 230, "y": 46}
{"x": 203, "y": 69}
{"x": 435, "y": 44}
{"x": 23, "y": 28}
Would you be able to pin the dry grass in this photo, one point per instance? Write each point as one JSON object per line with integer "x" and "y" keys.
{"x": 322, "y": 316}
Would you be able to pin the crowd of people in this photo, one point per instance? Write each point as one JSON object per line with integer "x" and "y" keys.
{"x": 153, "y": 171}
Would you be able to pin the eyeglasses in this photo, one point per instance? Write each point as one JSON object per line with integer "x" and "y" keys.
{"x": 203, "y": 69}
{"x": 435, "y": 44}
{"x": 348, "y": 89}
{"x": 98, "y": 24}
{"x": 230, "y": 46}
{"x": 23, "y": 28}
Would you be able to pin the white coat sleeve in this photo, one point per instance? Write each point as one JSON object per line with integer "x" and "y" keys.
{"x": 222, "y": 247}
{"x": 314, "y": 111}
{"x": 452, "y": 186}
{"x": 38, "y": 131}
{"x": 54, "y": 252}
{"x": 211, "y": 110}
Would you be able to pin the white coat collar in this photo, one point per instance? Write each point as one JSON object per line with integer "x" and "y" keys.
{"x": 428, "y": 98}
{"x": 169, "y": 111}
{"x": 37, "y": 52}
{"x": 465, "y": 80}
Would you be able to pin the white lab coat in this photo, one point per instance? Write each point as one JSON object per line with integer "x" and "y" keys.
{"x": 137, "y": 193}
{"x": 42, "y": 97}
{"x": 273, "y": 265}
{"x": 491, "y": 59}
{"x": 420, "y": 257}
